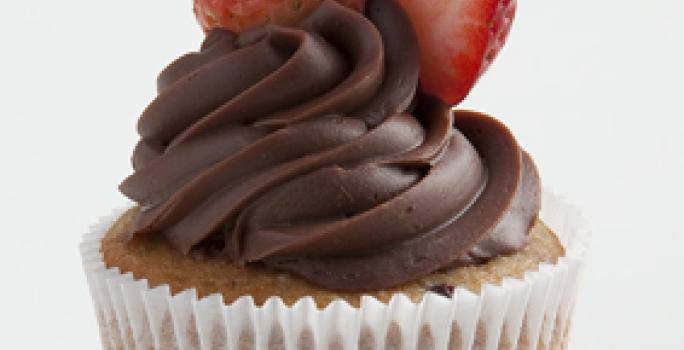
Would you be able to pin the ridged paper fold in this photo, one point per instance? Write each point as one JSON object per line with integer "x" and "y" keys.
{"x": 528, "y": 314}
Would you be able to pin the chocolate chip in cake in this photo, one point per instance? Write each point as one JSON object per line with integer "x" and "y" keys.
{"x": 443, "y": 290}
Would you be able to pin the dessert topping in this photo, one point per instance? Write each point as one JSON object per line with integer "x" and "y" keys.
{"x": 308, "y": 149}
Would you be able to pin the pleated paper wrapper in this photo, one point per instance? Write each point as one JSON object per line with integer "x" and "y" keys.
{"x": 534, "y": 312}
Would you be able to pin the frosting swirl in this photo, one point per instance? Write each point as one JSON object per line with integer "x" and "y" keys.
{"x": 309, "y": 150}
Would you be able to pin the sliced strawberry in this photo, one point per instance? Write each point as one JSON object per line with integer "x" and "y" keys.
{"x": 241, "y": 15}
{"x": 458, "y": 40}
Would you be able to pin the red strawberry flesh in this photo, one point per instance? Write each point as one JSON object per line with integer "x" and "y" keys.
{"x": 241, "y": 15}
{"x": 458, "y": 41}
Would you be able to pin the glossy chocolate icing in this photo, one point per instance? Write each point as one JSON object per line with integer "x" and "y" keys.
{"x": 309, "y": 150}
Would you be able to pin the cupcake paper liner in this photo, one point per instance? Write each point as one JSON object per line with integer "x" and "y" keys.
{"x": 529, "y": 313}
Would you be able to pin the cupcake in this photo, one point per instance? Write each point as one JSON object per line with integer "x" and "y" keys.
{"x": 303, "y": 182}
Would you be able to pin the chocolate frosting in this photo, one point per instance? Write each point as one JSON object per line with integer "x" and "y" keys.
{"x": 309, "y": 150}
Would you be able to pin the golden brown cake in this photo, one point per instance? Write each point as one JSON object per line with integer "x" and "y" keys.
{"x": 151, "y": 257}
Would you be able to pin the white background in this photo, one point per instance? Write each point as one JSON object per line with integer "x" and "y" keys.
{"x": 593, "y": 89}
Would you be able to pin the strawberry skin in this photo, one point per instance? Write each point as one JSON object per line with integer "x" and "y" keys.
{"x": 241, "y": 15}
{"x": 458, "y": 40}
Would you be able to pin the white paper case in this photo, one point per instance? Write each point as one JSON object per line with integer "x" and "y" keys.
{"x": 529, "y": 313}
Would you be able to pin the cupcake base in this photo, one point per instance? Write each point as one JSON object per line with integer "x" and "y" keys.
{"x": 152, "y": 258}
{"x": 531, "y": 312}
